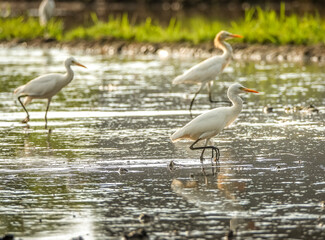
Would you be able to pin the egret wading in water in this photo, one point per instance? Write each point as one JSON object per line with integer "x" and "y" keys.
{"x": 205, "y": 72}
{"x": 211, "y": 123}
{"x": 45, "y": 87}
{"x": 46, "y": 11}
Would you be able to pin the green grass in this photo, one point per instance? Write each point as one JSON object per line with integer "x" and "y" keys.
{"x": 258, "y": 26}
{"x": 261, "y": 26}
{"x": 26, "y": 28}
{"x": 193, "y": 30}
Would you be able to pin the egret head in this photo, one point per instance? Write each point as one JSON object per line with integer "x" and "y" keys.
{"x": 237, "y": 88}
{"x": 224, "y": 35}
{"x": 72, "y": 61}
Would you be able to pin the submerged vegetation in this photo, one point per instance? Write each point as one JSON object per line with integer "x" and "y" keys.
{"x": 258, "y": 26}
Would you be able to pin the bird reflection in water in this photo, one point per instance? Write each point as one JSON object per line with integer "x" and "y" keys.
{"x": 219, "y": 192}
{"x": 32, "y": 144}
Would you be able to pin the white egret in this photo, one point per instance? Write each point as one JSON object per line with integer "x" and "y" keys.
{"x": 45, "y": 87}
{"x": 211, "y": 123}
{"x": 46, "y": 11}
{"x": 205, "y": 72}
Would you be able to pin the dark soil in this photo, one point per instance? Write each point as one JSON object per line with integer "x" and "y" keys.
{"x": 242, "y": 51}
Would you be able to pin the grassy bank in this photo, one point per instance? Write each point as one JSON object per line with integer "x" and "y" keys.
{"x": 258, "y": 26}
{"x": 23, "y": 28}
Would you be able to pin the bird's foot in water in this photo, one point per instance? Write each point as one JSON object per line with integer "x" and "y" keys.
{"x": 215, "y": 159}
{"x": 26, "y": 120}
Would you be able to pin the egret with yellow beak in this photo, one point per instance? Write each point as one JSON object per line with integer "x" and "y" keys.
{"x": 211, "y": 123}
{"x": 45, "y": 87}
{"x": 205, "y": 72}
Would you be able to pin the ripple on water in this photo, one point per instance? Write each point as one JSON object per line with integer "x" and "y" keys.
{"x": 119, "y": 114}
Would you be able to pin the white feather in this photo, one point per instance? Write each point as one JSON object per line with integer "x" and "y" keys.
{"x": 212, "y": 122}
{"x": 205, "y": 71}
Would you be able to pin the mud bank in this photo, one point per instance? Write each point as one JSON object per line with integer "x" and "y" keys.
{"x": 242, "y": 51}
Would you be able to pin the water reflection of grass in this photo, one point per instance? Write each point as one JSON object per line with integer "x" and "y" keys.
{"x": 258, "y": 26}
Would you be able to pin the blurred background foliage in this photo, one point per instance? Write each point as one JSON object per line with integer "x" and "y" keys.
{"x": 193, "y": 21}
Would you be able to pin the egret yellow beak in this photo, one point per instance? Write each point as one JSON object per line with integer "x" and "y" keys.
{"x": 79, "y": 64}
{"x": 236, "y": 36}
{"x": 249, "y": 90}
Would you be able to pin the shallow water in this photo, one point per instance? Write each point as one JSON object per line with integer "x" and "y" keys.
{"x": 119, "y": 113}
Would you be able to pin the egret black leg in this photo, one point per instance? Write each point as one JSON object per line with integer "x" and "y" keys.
{"x": 47, "y": 108}
{"x": 27, "y": 117}
{"x": 210, "y": 96}
{"x": 200, "y": 88}
{"x": 214, "y": 167}
{"x": 202, "y": 154}
{"x": 215, "y": 149}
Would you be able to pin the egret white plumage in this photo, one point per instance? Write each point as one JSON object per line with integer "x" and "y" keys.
{"x": 45, "y": 87}
{"x": 211, "y": 123}
{"x": 205, "y": 72}
{"x": 46, "y": 11}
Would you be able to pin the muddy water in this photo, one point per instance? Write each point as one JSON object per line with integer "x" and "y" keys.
{"x": 119, "y": 113}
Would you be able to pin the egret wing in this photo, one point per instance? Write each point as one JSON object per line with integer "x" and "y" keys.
{"x": 209, "y": 123}
{"x": 202, "y": 72}
{"x": 43, "y": 86}
{"x": 206, "y": 125}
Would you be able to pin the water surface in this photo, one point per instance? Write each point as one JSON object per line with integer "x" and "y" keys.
{"x": 119, "y": 113}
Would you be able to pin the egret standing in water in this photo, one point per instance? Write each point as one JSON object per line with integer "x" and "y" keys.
{"x": 46, "y": 11}
{"x": 211, "y": 123}
{"x": 205, "y": 72}
{"x": 45, "y": 87}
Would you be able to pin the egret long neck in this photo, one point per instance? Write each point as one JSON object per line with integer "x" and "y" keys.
{"x": 69, "y": 75}
{"x": 225, "y": 47}
{"x": 237, "y": 102}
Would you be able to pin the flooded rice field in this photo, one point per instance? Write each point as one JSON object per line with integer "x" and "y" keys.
{"x": 119, "y": 114}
